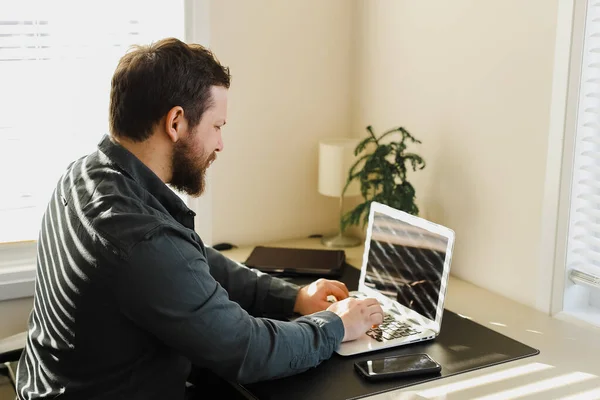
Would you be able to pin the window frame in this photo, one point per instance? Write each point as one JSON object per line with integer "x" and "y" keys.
{"x": 561, "y": 154}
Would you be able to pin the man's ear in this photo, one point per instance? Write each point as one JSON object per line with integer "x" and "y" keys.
{"x": 175, "y": 123}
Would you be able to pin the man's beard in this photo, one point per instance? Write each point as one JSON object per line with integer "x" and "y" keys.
{"x": 189, "y": 169}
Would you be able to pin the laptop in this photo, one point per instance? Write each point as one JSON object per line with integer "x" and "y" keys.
{"x": 406, "y": 266}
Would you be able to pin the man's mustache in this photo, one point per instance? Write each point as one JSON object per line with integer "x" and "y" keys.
{"x": 212, "y": 158}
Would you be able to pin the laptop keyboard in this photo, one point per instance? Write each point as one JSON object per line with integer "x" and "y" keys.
{"x": 391, "y": 329}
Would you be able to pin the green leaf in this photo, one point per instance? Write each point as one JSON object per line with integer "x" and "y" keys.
{"x": 354, "y": 217}
{"x": 415, "y": 160}
{"x": 406, "y": 135}
{"x": 389, "y": 133}
{"x": 363, "y": 144}
{"x": 370, "y": 130}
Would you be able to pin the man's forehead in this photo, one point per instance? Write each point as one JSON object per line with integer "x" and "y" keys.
{"x": 218, "y": 93}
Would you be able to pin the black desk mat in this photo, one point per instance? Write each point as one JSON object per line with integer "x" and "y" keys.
{"x": 462, "y": 346}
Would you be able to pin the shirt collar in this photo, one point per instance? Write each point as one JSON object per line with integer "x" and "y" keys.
{"x": 144, "y": 176}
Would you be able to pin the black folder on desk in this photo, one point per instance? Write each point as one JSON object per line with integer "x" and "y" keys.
{"x": 295, "y": 262}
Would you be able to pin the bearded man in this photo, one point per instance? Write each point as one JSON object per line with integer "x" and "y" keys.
{"x": 129, "y": 301}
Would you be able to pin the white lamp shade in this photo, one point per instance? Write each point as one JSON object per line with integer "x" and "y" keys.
{"x": 336, "y": 156}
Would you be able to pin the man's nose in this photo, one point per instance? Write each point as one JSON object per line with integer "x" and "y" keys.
{"x": 220, "y": 145}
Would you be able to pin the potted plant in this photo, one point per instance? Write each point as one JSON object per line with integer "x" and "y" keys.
{"x": 381, "y": 172}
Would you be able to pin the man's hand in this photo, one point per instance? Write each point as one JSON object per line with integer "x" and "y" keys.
{"x": 313, "y": 298}
{"x": 358, "y": 315}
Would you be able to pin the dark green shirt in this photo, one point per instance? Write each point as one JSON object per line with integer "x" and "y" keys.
{"x": 128, "y": 297}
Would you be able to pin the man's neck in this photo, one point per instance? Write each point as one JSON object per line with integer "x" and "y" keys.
{"x": 150, "y": 152}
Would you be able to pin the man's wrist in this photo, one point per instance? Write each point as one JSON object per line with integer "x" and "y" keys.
{"x": 299, "y": 300}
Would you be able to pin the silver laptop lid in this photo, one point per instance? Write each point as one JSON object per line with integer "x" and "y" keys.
{"x": 407, "y": 260}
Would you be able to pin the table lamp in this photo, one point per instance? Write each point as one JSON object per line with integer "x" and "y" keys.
{"x": 336, "y": 156}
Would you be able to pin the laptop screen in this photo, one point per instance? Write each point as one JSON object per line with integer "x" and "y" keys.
{"x": 406, "y": 263}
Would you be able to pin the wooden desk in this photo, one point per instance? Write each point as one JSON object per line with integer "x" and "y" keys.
{"x": 566, "y": 365}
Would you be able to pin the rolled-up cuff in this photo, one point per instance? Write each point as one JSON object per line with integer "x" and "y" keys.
{"x": 281, "y": 299}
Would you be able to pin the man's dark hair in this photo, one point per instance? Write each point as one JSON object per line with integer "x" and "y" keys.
{"x": 150, "y": 80}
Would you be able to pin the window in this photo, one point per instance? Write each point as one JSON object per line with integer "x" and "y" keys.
{"x": 57, "y": 58}
{"x": 581, "y": 297}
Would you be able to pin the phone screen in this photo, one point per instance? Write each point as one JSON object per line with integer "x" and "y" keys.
{"x": 399, "y": 365}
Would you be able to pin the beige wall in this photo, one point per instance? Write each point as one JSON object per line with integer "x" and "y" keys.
{"x": 472, "y": 79}
{"x": 291, "y": 64}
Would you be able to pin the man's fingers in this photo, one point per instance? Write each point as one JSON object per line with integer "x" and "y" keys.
{"x": 370, "y": 301}
{"x": 374, "y": 307}
{"x": 375, "y": 313}
{"x": 337, "y": 292}
{"x": 341, "y": 285}
{"x": 376, "y": 318}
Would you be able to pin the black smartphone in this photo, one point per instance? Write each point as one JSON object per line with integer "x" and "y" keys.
{"x": 398, "y": 366}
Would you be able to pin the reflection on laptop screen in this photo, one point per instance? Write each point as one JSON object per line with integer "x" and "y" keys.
{"x": 405, "y": 263}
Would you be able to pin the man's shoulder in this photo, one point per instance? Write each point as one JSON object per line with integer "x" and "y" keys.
{"x": 91, "y": 176}
{"x": 98, "y": 187}
{"x": 112, "y": 203}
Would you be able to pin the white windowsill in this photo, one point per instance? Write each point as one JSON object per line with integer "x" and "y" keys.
{"x": 584, "y": 317}
{"x": 17, "y": 270}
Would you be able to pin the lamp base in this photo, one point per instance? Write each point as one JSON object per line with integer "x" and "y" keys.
{"x": 341, "y": 240}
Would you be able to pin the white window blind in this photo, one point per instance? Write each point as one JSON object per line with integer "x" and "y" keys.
{"x": 583, "y": 243}
{"x": 57, "y": 58}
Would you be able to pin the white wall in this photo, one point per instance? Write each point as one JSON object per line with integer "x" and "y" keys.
{"x": 472, "y": 79}
{"x": 291, "y": 66}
